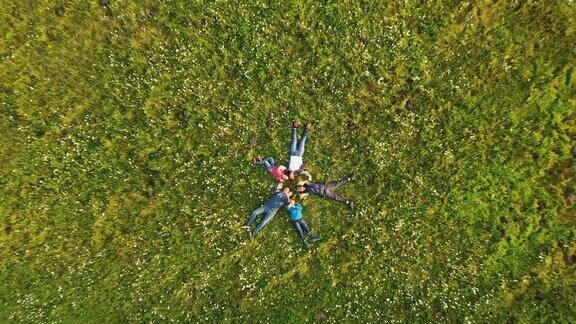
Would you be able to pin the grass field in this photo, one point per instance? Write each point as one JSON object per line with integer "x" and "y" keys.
{"x": 128, "y": 128}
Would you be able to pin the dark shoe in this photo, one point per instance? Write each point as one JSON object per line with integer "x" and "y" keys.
{"x": 350, "y": 204}
{"x": 295, "y": 124}
{"x": 315, "y": 238}
{"x": 306, "y": 246}
{"x": 308, "y": 126}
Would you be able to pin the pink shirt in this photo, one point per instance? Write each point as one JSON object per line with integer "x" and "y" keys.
{"x": 277, "y": 173}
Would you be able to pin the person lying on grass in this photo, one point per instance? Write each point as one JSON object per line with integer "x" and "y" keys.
{"x": 277, "y": 171}
{"x": 295, "y": 211}
{"x": 269, "y": 209}
{"x": 307, "y": 187}
{"x": 296, "y": 163}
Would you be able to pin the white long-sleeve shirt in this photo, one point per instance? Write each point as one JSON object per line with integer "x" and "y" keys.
{"x": 295, "y": 162}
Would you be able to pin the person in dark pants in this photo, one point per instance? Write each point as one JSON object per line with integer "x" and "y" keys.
{"x": 300, "y": 225}
{"x": 307, "y": 187}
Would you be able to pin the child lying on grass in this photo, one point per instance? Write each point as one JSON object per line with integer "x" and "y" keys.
{"x": 325, "y": 190}
{"x": 296, "y": 163}
{"x": 277, "y": 171}
{"x": 295, "y": 211}
{"x": 269, "y": 209}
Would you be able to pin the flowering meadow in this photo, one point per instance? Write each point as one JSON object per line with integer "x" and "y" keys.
{"x": 128, "y": 128}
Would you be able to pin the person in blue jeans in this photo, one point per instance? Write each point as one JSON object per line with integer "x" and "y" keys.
{"x": 277, "y": 171}
{"x": 296, "y": 163}
{"x": 300, "y": 225}
{"x": 269, "y": 209}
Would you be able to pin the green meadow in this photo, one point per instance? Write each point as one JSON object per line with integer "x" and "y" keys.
{"x": 128, "y": 128}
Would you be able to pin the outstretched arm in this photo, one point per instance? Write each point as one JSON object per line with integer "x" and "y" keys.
{"x": 278, "y": 188}
{"x": 306, "y": 174}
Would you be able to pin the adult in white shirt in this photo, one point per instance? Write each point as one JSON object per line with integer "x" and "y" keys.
{"x": 297, "y": 149}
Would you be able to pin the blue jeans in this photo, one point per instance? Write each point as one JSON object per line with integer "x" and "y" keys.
{"x": 267, "y": 162}
{"x": 295, "y": 148}
{"x": 268, "y": 215}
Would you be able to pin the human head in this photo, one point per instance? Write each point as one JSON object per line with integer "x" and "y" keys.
{"x": 291, "y": 175}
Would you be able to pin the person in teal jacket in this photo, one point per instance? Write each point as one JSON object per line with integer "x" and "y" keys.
{"x": 295, "y": 211}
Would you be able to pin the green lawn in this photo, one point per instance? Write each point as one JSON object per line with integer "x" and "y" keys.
{"x": 128, "y": 128}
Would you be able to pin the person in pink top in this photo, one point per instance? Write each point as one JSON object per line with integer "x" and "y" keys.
{"x": 277, "y": 171}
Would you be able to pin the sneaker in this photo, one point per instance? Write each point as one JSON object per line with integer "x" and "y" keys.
{"x": 306, "y": 246}
{"x": 256, "y": 159}
{"x": 308, "y": 126}
{"x": 315, "y": 238}
{"x": 295, "y": 124}
{"x": 252, "y": 234}
{"x": 350, "y": 204}
{"x": 246, "y": 226}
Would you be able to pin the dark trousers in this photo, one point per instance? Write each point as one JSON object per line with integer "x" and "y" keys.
{"x": 300, "y": 226}
{"x": 329, "y": 194}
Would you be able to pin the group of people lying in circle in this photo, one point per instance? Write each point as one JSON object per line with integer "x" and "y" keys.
{"x": 284, "y": 196}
